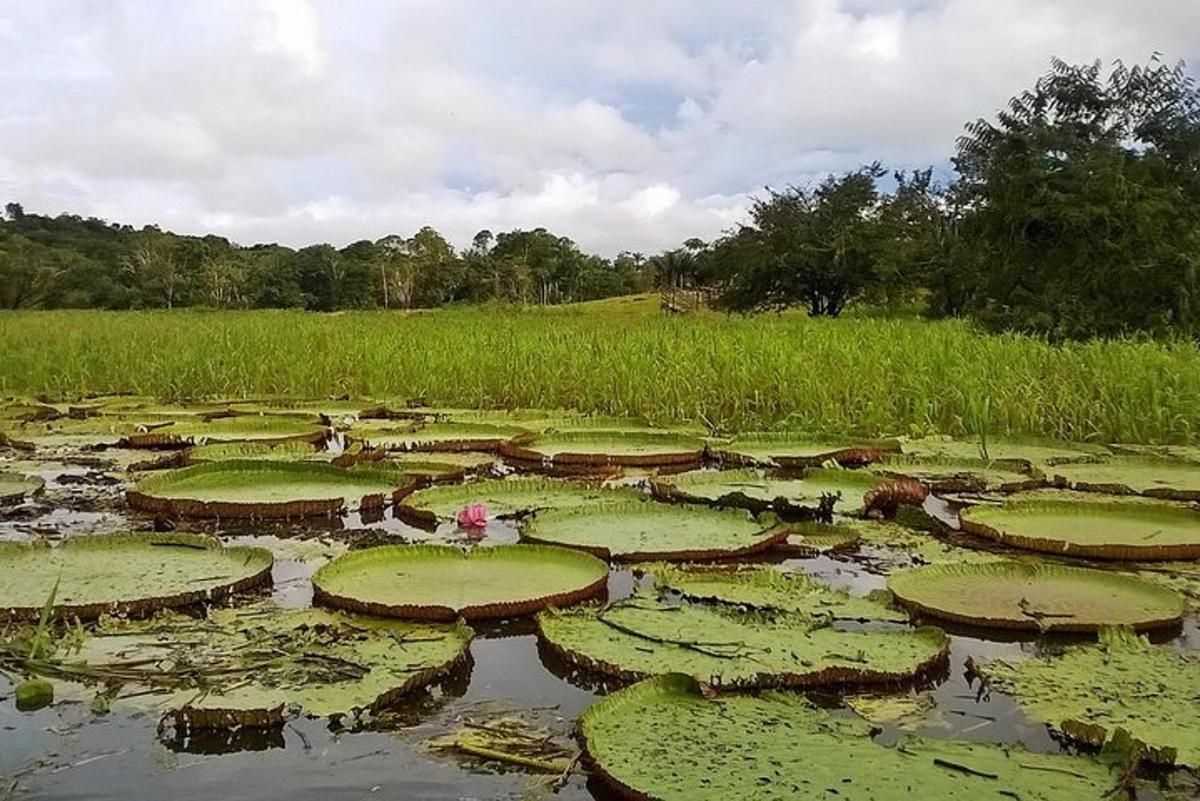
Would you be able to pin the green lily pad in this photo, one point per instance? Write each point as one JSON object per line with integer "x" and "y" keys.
{"x": 442, "y": 582}
{"x": 640, "y": 637}
{"x": 291, "y": 450}
{"x": 663, "y": 739}
{"x": 1036, "y": 451}
{"x": 16, "y": 487}
{"x": 70, "y": 432}
{"x": 1124, "y": 682}
{"x": 915, "y": 547}
{"x": 643, "y": 530}
{"x": 238, "y": 428}
{"x": 133, "y": 573}
{"x": 1152, "y": 476}
{"x": 1039, "y": 597}
{"x": 1189, "y": 452}
{"x": 508, "y": 497}
{"x": 943, "y": 474}
{"x": 808, "y": 539}
{"x": 245, "y": 664}
{"x": 769, "y": 589}
{"x": 264, "y": 489}
{"x": 1103, "y": 529}
{"x": 449, "y": 436}
{"x": 751, "y": 489}
{"x": 463, "y": 462}
{"x": 641, "y": 448}
{"x": 791, "y": 449}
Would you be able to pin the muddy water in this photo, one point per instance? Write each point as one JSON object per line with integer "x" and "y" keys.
{"x": 66, "y": 753}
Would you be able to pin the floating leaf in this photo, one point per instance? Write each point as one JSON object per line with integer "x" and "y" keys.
{"x": 1124, "y": 682}
{"x": 133, "y": 573}
{"x": 663, "y": 739}
{"x": 442, "y": 582}
{"x": 1040, "y": 597}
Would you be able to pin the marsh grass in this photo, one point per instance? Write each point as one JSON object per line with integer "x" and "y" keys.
{"x": 622, "y": 357}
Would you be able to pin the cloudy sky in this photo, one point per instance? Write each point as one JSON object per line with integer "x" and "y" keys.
{"x": 625, "y": 124}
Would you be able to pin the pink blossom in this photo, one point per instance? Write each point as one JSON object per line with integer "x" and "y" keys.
{"x": 473, "y": 515}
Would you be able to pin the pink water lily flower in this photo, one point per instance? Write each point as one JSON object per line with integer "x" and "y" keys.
{"x": 473, "y": 515}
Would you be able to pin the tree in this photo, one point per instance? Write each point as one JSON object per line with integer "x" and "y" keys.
{"x": 1081, "y": 204}
{"x": 814, "y": 247}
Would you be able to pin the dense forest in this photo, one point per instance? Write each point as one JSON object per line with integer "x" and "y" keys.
{"x": 1075, "y": 213}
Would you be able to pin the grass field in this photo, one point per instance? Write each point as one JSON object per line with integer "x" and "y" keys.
{"x": 624, "y": 357}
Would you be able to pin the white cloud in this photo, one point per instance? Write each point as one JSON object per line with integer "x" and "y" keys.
{"x": 624, "y": 124}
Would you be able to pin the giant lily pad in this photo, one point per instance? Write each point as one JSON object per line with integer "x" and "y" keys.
{"x": 133, "y": 573}
{"x": 510, "y": 497}
{"x": 245, "y": 664}
{"x": 769, "y": 589}
{"x": 1152, "y": 476}
{"x": 644, "y": 530}
{"x": 449, "y": 436}
{"x": 810, "y": 538}
{"x": 16, "y": 487}
{"x": 1034, "y": 450}
{"x": 639, "y": 448}
{"x": 1040, "y": 597}
{"x": 788, "y": 449}
{"x": 640, "y": 637}
{"x": 291, "y": 450}
{"x": 264, "y": 489}
{"x": 442, "y": 582}
{"x": 956, "y": 474}
{"x": 237, "y": 428}
{"x": 751, "y": 489}
{"x": 663, "y": 739}
{"x": 1126, "y": 529}
{"x": 1124, "y": 682}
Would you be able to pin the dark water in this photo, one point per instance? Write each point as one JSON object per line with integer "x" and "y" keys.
{"x": 64, "y": 752}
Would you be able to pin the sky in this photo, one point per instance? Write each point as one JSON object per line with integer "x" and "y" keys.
{"x": 624, "y": 124}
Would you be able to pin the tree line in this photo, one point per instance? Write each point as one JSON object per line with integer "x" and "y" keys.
{"x": 1074, "y": 213}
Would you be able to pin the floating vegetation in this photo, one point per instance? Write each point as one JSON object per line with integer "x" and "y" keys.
{"x": 917, "y": 547}
{"x": 641, "y": 530}
{"x": 443, "y": 582}
{"x": 265, "y": 489}
{"x": 129, "y": 573}
{"x": 640, "y": 637}
{"x": 1036, "y": 451}
{"x": 1124, "y": 683}
{"x": 751, "y": 489}
{"x": 948, "y": 474}
{"x": 1103, "y": 529}
{"x": 244, "y": 666}
{"x": 789, "y": 449}
{"x": 236, "y": 428}
{"x": 17, "y": 487}
{"x": 511, "y": 741}
{"x": 509, "y": 497}
{"x": 1152, "y": 476}
{"x": 289, "y": 450}
{"x": 447, "y": 436}
{"x": 664, "y": 739}
{"x": 1037, "y": 597}
{"x": 769, "y": 589}
{"x": 636, "y": 448}
{"x": 810, "y": 538}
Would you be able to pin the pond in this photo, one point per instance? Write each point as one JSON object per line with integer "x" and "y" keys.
{"x": 66, "y": 752}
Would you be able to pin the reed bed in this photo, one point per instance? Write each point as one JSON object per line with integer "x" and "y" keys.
{"x": 874, "y": 376}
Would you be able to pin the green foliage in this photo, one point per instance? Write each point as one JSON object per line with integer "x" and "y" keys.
{"x": 621, "y": 357}
{"x": 1084, "y": 207}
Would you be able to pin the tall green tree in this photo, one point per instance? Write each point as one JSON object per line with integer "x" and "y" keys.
{"x": 1081, "y": 204}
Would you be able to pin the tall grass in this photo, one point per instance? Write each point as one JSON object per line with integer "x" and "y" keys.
{"x": 869, "y": 375}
